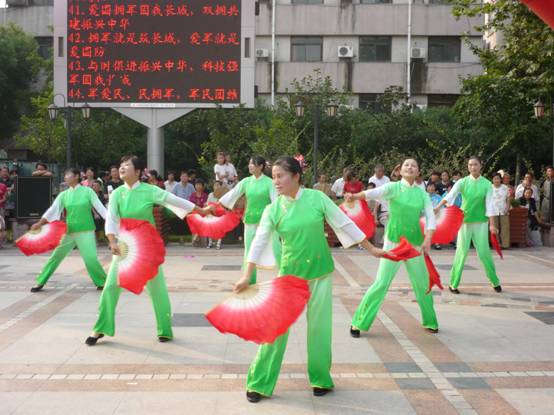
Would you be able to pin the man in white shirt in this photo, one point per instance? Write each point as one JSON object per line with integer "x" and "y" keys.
{"x": 224, "y": 172}
{"x": 528, "y": 182}
{"x": 170, "y": 183}
{"x": 337, "y": 189}
{"x": 379, "y": 179}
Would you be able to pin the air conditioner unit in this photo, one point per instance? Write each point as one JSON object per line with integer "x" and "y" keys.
{"x": 262, "y": 53}
{"x": 345, "y": 51}
{"x": 418, "y": 53}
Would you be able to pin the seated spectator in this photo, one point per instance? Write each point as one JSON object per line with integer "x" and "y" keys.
{"x": 192, "y": 176}
{"x": 501, "y": 207}
{"x": 224, "y": 172}
{"x": 546, "y": 202}
{"x": 322, "y": 185}
{"x": 170, "y": 183}
{"x": 41, "y": 170}
{"x": 420, "y": 182}
{"x": 533, "y": 218}
{"x": 528, "y": 183}
{"x": 434, "y": 178}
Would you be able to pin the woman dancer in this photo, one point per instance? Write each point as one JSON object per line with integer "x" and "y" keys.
{"x": 478, "y": 207}
{"x": 135, "y": 200}
{"x": 407, "y": 202}
{"x": 78, "y": 202}
{"x": 298, "y": 216}
{"x": 259, "y": 192}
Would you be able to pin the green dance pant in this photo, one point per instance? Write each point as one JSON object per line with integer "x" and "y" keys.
{"x": 479, "y": 234}
{"x": 108, "y": 302}
{"x": 86, "y": 243}
{"x": 249, "y": 234}
{"x": 373, "y": 298}
{"x": 264, "y": 370}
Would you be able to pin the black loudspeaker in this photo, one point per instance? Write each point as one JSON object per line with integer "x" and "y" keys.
{"x": 34, "y": 196}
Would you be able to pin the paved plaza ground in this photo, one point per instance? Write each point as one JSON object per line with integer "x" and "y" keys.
{"x": 494, "y": 353}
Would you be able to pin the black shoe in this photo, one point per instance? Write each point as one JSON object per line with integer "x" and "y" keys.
{"x": 430, "y": 330}
{"x": 37, "y": 288}
{"x": 498, "y": 289}
{"x": 163, "y": 339}
{"x": 354, "y": 332}
{"x": 91, "y": 340}
{"x": 253, "y": 397}
{"x": 100, "y": 288}
{"x": 321, "y": 391}
{"x": 454, "y": 290}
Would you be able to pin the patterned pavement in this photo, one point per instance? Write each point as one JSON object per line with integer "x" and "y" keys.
{"x": 493, "y": 354}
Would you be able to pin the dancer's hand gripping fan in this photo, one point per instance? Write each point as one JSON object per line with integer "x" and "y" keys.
{"x": 214, "y": 226}
{"x": 402, "y": 252}
{"x": 449, "y": 222}
{"x": 142, "y": 252}
{"x": 43, "y": 240}
{"x": 262, "y": 312}
{"x": 359, "y": 212}
{"x": 496, "y": 245}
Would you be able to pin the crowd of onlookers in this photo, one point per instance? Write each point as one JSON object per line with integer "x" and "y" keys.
{"x": 187, "y": 185}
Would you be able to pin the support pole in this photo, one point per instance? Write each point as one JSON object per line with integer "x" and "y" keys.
{"x": 155, "y": 149}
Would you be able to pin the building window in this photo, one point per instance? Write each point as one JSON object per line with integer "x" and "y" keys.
{"x": 445, "y": 2}
{"x": 441, "y": 100}
{"x": 375, "y": 49}
{"x": 375, "y": 1}
{"x": 45, "y": 45}
{"x": 307, "y": 1}
{"x": 371, "y": 102}
{"x": 444, "y": 49}
{"x": 306, "y": 49}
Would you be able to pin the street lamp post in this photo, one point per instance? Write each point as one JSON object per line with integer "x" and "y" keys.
{"x": 331, "y": 110}
{"x": 66, "y": 110}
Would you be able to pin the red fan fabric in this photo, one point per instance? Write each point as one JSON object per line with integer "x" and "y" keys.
{"x": 449, "y": 222}
{"x": 142, "y": 253}
{"x": 44, "y": 240}
{"x": 434, "y": 277}
{"x": 542, "y": 8}
{"x": 262, "y": 312}
{"x": 214, "y": 226}
{"x": 496, "y": 245}
{"x": 360, "y": 214}
{"x": 402, "y": 252}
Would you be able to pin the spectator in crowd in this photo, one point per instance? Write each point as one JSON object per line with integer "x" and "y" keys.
{"x": 5, "y": 177}
{"x": 183, "y": 189}
{"x": 4, "y": 192}
{"x": 41, "y": 169}
{"x": 170, "y": 183}
{"x": 434, "y": 178}
{"x": 337, "y": 189}
{"x": 89, "y": 177}
{"x": 444, "y": 183}
{"x": 114, "y": 181}
{"x": 395, "y": 174}
{"x": 507, "y": 181}
{"x": 233, "y": 176}
{"x": 546, "y": 194}
{"x": 435, "y": 200}
{"x": 373, "y": 204}
{"x": 322, "y": 185}
{"x": 9, "y": 181}
{"x": 352, "y": 184}
{"x": 98, "y": 221}
{"x": 379, "y": 179}
{"x": 224, "y": 172}
{"x": 456, "y": 175}
{"x": 533, "y": 217}
{"x": 192, "y": 176}
{"x": 2, "y": 230}
{"x": 200, "y": 198}
{"x": 213, "y": 197}
{"x": 419, "y": 182}
{"x": 528, "y": 182}
{"x": 501, "y": 207}
{"x": 155, "y": 179}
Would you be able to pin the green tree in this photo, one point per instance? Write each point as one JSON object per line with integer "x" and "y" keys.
{"x": 20, "y": 64}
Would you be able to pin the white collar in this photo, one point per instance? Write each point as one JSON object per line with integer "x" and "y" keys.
{"x": 405, "y": 183}
{"x": 474, "y": 178}
{"x": 74, "y": 187}
{"x": 137, "y": 184}
{"x": 298, "y": 194}
{"x": 259, "y": 177}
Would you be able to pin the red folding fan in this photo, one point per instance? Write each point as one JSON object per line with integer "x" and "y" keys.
{"x": 496, "y": 245}
{"x": 142, "y": 253}
{"x": 262, "y": 312}
{"x": 403, "y": 251}
{"x": 214, "y": 226}
{"x": 45, "y": 239}
{"x": 359, "y": 212}
{"x": 449, "y": 221}
{"x": 434, "y": 277}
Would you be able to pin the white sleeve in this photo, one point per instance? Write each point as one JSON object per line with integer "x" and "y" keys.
{"x": 112, "y": 218}
{"x": 54, "y": 212}
{"x": 453, "y": 193}
{"x": 429, "y": 213}
{"x": 262, "y": 242}
{"x": 99, "y": 206}
{"x": 229, "y": 199}
{"x": 376, "y": 194}
{"x": 519, "y": 191}
{"x": 347, "y": 232}
{"x": 177, "y": 205}
{"x": 489, "y": 203}
{"x": 273, "y": 193}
